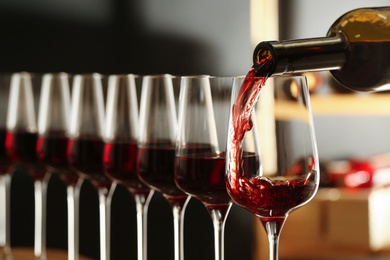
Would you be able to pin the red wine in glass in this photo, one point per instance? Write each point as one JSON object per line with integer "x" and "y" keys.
{"x": 21, "y": 148}
{"x": 156, "y": 168}
{"x": 85, "y": 156}
{"x": 262, "y": 196}
{"x": 120, "y": 164}
{"x": 156, "y": 146}
{"x": 274, "y": 193}
{"x": 203, "y": 177}
{"x": 5, "y": 163}
{"x": 6, "y": 171}
{"x": 51, "y": 151}
{"x": 121, "y": 147}
{"x": 272, "y": 198}
{"x": 85, "y": 146}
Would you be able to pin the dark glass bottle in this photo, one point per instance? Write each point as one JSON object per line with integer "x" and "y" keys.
{"x": 356, "y": 50}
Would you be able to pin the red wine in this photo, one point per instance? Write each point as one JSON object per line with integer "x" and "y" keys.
{"x": 264, "y": 197}
{"x": 51, "y": 150}
{"x": 85, "y": 154}
{"x": 202, "y": 176}
{"x": 156, "y": 169}
{"x": 120, "y": 164}
{"x": 21, "y": 148}
{"x": 272, "y": 198}
{"x": 4, "y": 160}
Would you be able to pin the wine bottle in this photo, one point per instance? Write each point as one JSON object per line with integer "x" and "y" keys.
{"x": 356, "y": 51}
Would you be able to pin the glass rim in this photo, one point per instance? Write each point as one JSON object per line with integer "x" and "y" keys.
{"x": 159, "y": 75}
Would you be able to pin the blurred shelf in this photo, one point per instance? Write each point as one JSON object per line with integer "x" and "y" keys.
{"x": 358, "y": 104}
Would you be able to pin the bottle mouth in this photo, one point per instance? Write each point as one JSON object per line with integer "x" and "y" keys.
{"x": 301, "y": 55}
{"x": 264, "y": 62}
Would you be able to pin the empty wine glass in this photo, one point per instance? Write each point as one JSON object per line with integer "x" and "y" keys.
{"x": 85, "y": 147}
{"x": 288, "y": 176}
{"x": 120, "y": 148}
{"x": 5, "y": 173}
{"x": 21, "y": 141}
{"x": 156, "y": 147}
{"x": 201, "y": 144}
{"x": 53, "y": 124}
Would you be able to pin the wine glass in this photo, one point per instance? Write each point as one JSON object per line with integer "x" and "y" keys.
{"x": 85, "y": 146}
{"x": 280, "y": 116}
{"x": 156, "y": 147}
{"x": 5, "y": 173}
{"x": 53, "y": 124}
{"x": 120, "y": 148}
{"x": 201, "y": 145}
{"x": 21, "y": 141}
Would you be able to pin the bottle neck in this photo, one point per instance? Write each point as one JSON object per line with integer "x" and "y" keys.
{"x": 294, "y": 56}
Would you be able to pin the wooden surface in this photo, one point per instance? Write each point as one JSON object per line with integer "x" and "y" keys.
{"x": 52, "y": 254}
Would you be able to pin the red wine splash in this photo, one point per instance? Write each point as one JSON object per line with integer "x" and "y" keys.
{"x": 271, "y": 200}
{"x": 247, "y": 97}
{"x": 242, "y": 109}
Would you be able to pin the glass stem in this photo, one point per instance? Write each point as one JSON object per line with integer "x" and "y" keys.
{"x": 142, "y": 203}
{"x": 105, "y": 196}
{"x": 218, "y": 217}
{"x": 273, "y": 228}
{"x": 73, "y": 199}
{"x": 178, "y": 224}
{"x": 5, "y": 224}
{"x": 273, "y": 241}
{"x": 40, "y": 195}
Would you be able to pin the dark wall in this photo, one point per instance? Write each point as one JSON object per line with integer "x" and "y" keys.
{"x": 35, "y": 42}
{"x": 119, "y": 39}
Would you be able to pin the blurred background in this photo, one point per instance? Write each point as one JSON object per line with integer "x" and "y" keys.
{"x": 178, "y": 37}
